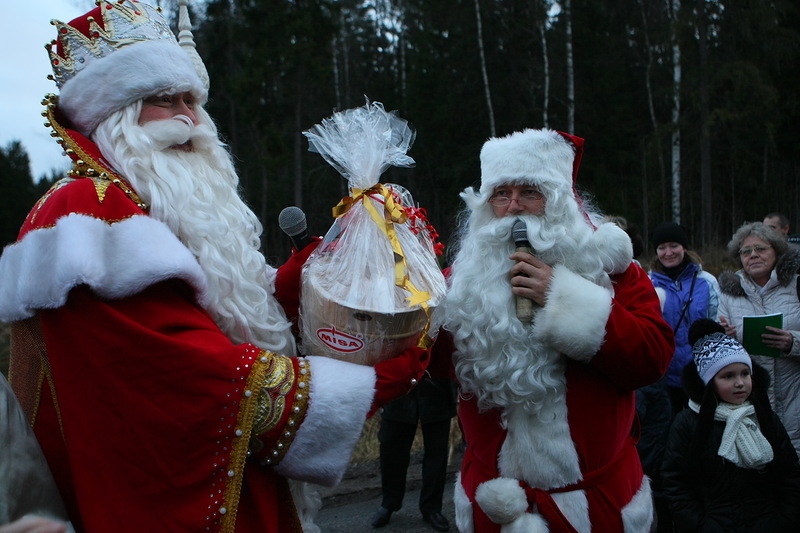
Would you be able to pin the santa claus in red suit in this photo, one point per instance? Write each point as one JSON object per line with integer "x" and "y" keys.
{"x": 150, "y": 352}
{"x": 547, "y": 404}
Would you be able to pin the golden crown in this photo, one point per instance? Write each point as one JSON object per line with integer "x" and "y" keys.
{"x": 124, "y": 22}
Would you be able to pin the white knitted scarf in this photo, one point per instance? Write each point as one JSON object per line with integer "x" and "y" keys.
{"x": 743, "y": 444}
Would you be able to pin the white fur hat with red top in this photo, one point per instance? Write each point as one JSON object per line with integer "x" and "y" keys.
{"x": 118, "y": 53}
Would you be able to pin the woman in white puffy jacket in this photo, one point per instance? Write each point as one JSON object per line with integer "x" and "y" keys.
{"x": 767, "y": 284}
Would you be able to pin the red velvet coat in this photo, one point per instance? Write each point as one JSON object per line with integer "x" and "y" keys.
{"x": 145, "y": 410}
{"x": 600, "y": 485}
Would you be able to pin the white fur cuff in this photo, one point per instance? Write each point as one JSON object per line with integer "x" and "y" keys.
{"x": 574, "y": 319}
{"x": 340, "y": 396}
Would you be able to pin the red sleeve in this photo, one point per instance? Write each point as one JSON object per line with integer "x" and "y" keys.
{"x": 638, "y": 343}
{"x": 288, "y": 281}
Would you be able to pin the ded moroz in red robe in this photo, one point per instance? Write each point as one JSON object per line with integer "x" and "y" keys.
{"x": 144, "y": 409}
{"x": 577, "y": 469}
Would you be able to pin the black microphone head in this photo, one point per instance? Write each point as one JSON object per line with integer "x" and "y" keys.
{"x": 519, "y": 232}
{"x": 292, "y": 220}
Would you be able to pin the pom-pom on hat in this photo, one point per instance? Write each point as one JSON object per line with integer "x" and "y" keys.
{"x": 713, "y": 350}
{"x": 529, "y": 156}
{"x": 669, "y": 232}
{"x": 116, "y": 54}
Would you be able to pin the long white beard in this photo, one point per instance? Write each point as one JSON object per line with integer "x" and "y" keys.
{"x": 498, "y": 359}
{"x": 195, "y": 194}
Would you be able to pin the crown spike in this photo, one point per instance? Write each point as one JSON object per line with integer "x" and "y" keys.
{"x": 186, "y": 40}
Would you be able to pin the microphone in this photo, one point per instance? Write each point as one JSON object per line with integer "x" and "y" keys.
{"x": 292, "y": 221}
{"x": 519, "y": 233}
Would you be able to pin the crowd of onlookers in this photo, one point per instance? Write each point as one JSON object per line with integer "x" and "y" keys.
{"x": 686, "y": 416}
{"x": 720, "y": 431}
{"x": 155, "y": 366}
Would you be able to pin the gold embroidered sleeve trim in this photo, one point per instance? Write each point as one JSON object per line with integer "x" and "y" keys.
{"x": 282, "y": 405}
{"x": 276, "y": 383}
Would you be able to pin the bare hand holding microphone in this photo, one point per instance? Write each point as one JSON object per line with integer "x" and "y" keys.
{"x": 530, "y": 276}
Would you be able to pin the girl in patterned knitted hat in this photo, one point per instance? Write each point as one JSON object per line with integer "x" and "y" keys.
{"x": 729, "y": 465}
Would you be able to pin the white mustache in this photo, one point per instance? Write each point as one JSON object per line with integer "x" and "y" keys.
{"x": 189, "y": 122}
{"x": 169, "y": 132}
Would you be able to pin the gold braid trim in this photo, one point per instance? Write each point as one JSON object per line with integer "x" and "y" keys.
{"x": 29, "y": 368}
{"x": 262, "y": 406}
{"x": 273, "y": 402}
{"x": 85, "y": 166}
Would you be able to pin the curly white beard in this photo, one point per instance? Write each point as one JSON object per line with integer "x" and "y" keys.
{"x": 498, "y": 359}
{"x": 195, "y": 194}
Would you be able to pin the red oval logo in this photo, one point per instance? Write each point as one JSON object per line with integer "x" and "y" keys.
{"x": 339, "y": 341}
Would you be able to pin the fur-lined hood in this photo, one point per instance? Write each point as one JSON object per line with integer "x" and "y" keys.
{"x": 786, "y": 268}
{"x": 695, "y": 388}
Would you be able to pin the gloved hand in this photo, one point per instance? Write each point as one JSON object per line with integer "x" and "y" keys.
{"x": 398, "y": 375}
{"x": 287, "y": 280}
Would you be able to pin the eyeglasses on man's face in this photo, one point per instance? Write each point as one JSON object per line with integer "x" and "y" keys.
{"x": 758, "y": 249}
{"x": 503, "y": 196}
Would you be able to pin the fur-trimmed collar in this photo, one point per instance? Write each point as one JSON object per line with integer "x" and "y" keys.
{"x": 787, "y": 268}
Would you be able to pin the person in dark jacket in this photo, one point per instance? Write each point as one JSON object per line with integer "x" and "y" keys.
{"x": 431, "y": 404}
{"x": 729, "y": 465}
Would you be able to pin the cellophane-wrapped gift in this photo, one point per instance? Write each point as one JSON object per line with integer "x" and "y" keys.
{"x": 371, "y": 287}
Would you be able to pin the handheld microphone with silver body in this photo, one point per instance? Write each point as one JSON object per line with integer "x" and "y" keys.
{"x": 519, "y": 233}
{"x": 292, "y": 220}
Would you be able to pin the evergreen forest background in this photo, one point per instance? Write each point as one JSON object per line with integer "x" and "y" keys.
{"x": 690, "y": 109}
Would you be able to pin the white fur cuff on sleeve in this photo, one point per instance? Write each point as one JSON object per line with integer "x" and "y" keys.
{"x": 339, "y": 399}
{"x": 574, "y": 319}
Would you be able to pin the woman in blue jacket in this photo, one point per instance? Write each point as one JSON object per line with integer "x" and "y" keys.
{"x": 687, "y": 293}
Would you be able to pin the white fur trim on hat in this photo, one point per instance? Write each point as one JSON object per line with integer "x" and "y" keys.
{"x": 502, "y": 499}
{"x": 129, "y": 74}
{"x": 532, "y": 156}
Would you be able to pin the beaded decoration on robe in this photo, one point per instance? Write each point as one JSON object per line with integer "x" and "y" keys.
{"x": 85, "y": 165}
{"x": 266, "y": 397}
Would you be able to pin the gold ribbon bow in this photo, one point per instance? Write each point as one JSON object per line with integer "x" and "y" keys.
{"x": 393, "y": 213}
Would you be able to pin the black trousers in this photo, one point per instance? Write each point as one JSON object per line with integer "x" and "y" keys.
{"x": 396, "y": 439}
